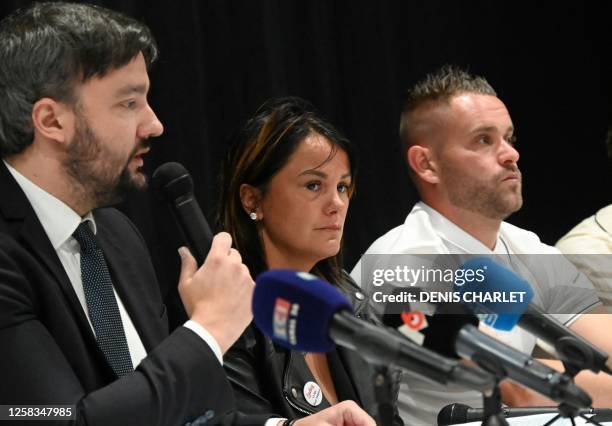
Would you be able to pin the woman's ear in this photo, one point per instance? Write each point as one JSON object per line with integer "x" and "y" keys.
{"x": 422, "y": 162}
{"x": 250, "y": 197}
{"x": 53, "y": 120}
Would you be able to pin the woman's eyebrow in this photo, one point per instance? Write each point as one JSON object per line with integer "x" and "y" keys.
{"x": 321, "y": 174}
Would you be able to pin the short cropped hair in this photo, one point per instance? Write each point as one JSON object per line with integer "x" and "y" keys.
{"x": 47, "y": 48}
{"x": 438, "y": 87}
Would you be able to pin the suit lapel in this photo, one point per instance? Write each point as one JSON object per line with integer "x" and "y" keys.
{"x": 20, "y": 221}
{"x": 23, "y": 225}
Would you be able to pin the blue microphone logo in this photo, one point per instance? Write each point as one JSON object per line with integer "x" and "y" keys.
{"x": 285, "y": 320}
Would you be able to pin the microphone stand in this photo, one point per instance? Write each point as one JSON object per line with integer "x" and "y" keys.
{"x": 571, "y": 369}
{"x": 383, "y": 390}
{"x": 569, "y": 412}
{"x": 493, "y": 414}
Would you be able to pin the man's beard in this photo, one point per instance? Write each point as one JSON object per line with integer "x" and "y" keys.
{"x": 99, "y": 176}
{"x": 484, "y": 197}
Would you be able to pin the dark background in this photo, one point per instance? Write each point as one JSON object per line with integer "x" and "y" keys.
{"x": 354, "y": 60}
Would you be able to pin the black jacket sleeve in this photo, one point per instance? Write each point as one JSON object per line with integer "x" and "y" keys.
{"x": 179, "y": 380}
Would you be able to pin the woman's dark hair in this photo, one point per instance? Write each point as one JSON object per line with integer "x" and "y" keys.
{"x": 261, "y": 149}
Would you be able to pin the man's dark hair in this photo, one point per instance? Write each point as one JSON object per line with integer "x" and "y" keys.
{"x": 438, "y": 88}
{"x": 48, "y": 48}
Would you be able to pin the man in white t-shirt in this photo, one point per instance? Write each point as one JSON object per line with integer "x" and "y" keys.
{"x": 589, "y": 245}
{"x": 459, "y": 144}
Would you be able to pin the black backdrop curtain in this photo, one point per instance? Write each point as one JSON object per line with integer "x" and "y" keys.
{"x": 354, "y": 60}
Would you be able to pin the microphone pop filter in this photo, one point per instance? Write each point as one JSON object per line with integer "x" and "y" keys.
{"x": 435, "y": 332}
{"x": 494, "y": 293}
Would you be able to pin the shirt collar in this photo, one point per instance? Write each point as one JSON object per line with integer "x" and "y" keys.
{"x": 456, "y": 236}
{"x": 57, "y": 219}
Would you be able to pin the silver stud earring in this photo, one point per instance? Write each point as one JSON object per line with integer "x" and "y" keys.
{"x": 253, "y": 216}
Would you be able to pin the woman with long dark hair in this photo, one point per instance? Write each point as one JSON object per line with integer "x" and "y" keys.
{"x": 285, "y": 191}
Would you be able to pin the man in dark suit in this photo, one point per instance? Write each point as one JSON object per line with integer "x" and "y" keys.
{"x": 82, "y": 322}
{"x": 73, "y": 130}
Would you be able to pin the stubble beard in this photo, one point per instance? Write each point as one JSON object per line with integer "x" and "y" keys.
{"x": 93, "y": 169}
{"x": 487, "y": 198}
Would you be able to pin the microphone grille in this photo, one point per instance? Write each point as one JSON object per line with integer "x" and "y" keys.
{"x": 172, "y": 180}
{"x": 453, "y": 414}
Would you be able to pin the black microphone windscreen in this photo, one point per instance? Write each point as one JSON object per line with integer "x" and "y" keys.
{"x": 439, "y": 330}
{"x": 172, "y": 180}
{"x": 453, "y": 414}
{"x": 441, "y": 333}
{"x": 174, "y": 183}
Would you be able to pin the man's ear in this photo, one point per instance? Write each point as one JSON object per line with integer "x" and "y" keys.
{"x": 423, "y": 163}
{"x": 53, "y": 120}
{"x": 250, "y": 197}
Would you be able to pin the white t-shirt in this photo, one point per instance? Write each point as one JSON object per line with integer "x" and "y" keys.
{"x": 589, "y": 247}
{"x": 553, "y": 279}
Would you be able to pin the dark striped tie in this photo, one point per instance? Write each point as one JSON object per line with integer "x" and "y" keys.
{"x": 101, "y": 302}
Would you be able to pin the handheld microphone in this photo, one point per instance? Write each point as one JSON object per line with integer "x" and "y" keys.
{"x": 174, "y": 183}
{"x": 570, "y": 347}
{"x": 301, "y": 312}
{"x": 460, "y": 413}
